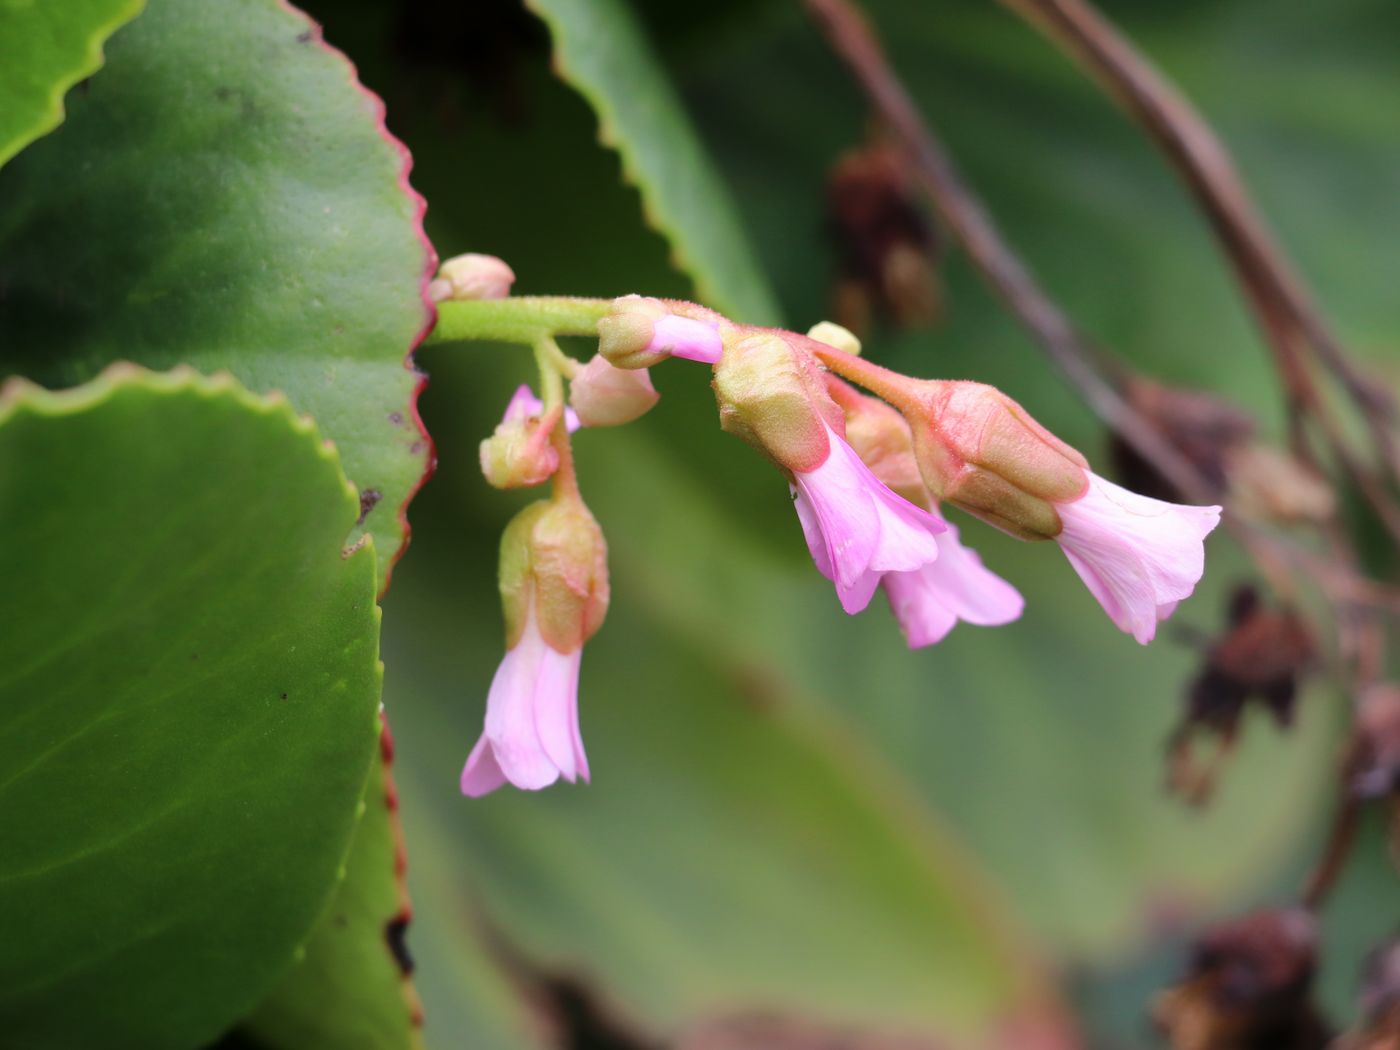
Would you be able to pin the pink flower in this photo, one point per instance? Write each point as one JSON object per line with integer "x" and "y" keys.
{"x": 929, "y": 601}
{"x": 532, "y": 735}
{"x": 856, "y": 528}
{"x": 686, "y": 337}
{"x": 523, "y": 404}
{"x": 1138, "y": 556}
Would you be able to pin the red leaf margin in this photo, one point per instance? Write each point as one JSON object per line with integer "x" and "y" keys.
{"x": 379, "y": 114}
{"x": 379, "y": 111}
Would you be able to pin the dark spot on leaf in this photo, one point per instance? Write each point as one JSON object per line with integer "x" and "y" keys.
{"x": 417, "y": 447}
{"x": 304, "y": 37}
{"x": 368, "y": 499}
{"x": 284, "y": 696}
{"x": 396, "y": 935}
{"x": 396, "y": 418}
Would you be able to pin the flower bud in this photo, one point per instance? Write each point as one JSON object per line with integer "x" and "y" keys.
{"x": 554, "y": 565}
{"x": 982, "y": 451}
{"x": 834, "y": 335}
{"x": 771, "y": 393}
{"x": 640, "y": 332}
{"x": 519, "y": 455}
{"x": 472, "y": 276}
{"x": 606, "y": 396}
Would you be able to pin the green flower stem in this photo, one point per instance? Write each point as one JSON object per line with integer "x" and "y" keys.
{"x": 550, "y": 358}
{"x": 521, "y": 319}
{"x": 547, "y": 355}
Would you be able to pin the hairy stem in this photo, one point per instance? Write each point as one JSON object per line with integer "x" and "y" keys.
{"x": 517, "y": 319}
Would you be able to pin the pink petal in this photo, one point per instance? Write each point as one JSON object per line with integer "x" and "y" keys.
{"x": 531, "y": 735}
{"x": 524, "y": 404}
{"x": 688, "y": 338}
{"x": 556, "y": 710}
{"x": 929, "y": 601}
{"x": 856, "y": 528}
{"x": 481, "y": 775}
{"x": 1138, "y": 556}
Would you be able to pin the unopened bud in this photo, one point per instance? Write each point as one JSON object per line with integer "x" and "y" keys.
{"x": 980, "y": 450}
{"x": 834, "y": 335}
{"x": 771, "y": 394}
{"x": 554, "y": 558}
{"x": 606, "y": 396}
{"x": 641, "y": 332}
{"x": 520, "y": 453}
{"x": 472, "y": 276}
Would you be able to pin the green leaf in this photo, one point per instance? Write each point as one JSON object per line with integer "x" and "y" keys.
{"x": 350, "y": 989}
{"x": 46, "y": 48}
{"x": 225, "y": 195}
{"x": 188, "y": 685}
{"x": 604, "y": 53}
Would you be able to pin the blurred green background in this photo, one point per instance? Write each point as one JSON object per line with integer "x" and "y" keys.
{"x": 792, "y": 814}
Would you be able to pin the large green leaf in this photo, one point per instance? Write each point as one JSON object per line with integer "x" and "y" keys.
{"x": 602, "y": 51}
{"x": 46, "y": 48}
{"x": 225, "y": 195}
{"x": 350, "y": 987}
{"x": 187, "y": 703}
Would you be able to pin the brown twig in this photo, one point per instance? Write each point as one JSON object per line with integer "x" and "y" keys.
{"x": 1334, "y": 855}
{"x": 960, "y": 209}
{"x": 1289, "y": 319}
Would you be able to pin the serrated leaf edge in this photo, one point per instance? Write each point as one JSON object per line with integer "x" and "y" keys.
{"x": 652, "y": 210}
{"x": 92, "y": 60}
{"x": 379, "y": 113}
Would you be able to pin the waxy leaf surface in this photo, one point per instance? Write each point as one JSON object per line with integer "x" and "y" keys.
{"x": 225, "y": 196}
{"x": 351, "y": 987}
{"x": 46, "y": 48}
{"x": 188, "y": 683}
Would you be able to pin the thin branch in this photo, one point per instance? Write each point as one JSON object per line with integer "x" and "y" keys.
{"x": 1278, "y": 298}
{"x": 963, "y": 213}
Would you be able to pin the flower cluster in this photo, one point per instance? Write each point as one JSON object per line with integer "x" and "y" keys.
{"x": 868, "y": 473}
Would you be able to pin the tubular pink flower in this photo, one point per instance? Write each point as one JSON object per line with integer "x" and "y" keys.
{"x": 1138, "y": 556}
{"x": 856, "y": 528}
{"x": 523, "y": 404}
{"x": 929, "y": 602}
{"x": 686, "y": 337}
{"x": 532, "y": 735}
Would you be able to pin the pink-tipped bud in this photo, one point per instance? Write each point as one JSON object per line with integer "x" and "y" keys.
{"x": 641, "y": 332}
{"x": 554, "y": 564}
{"x": 606, "y": 396}
{"x": 554, "y": 592}
{"x": 771, "y": 393}
{"x": 472, "y": 276}
{"x": 980, "y": 450}
{"x": 520, "y": 453}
